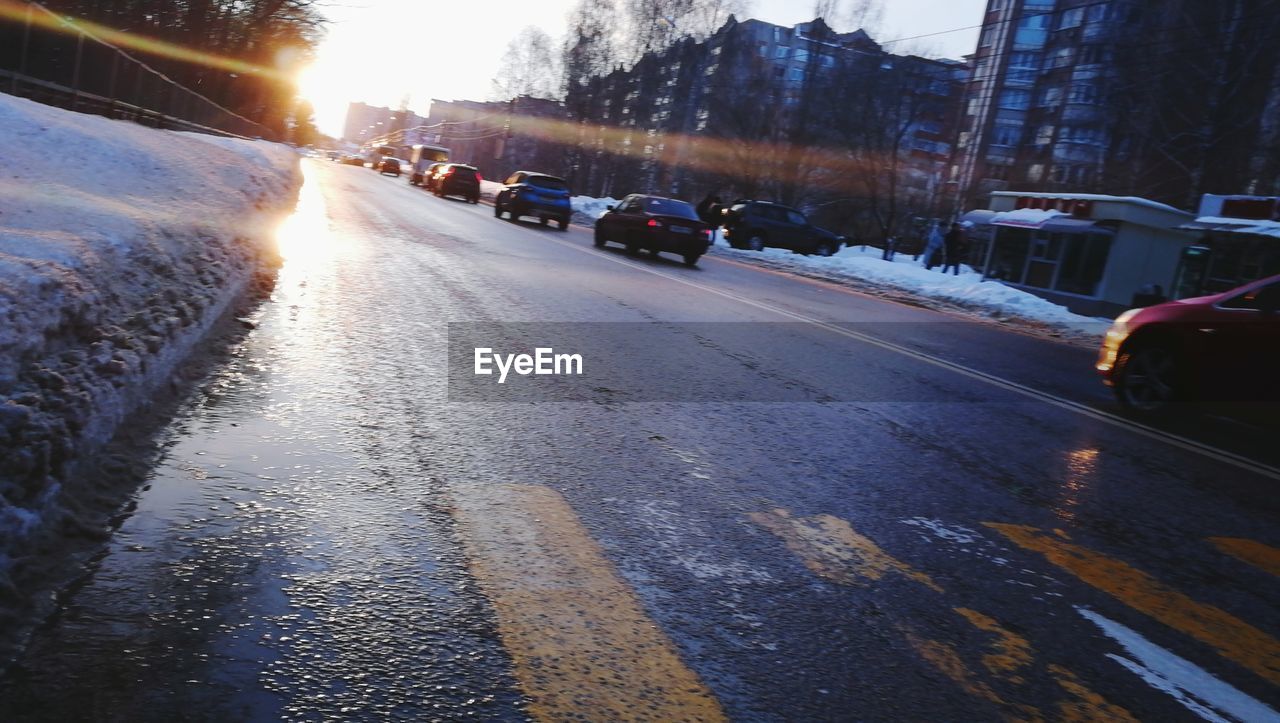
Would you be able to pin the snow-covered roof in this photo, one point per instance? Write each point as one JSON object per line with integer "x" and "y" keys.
{"x": 1228, "y": 224}
{"x": 1136, "y": 200}
{"x": 1025, "y": 217}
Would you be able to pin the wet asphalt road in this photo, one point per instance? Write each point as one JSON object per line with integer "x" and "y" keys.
{"x": 772, "y": 500}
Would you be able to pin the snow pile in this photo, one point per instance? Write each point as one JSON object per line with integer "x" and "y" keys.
{"x": 968, "y": 289}
{"x": 587, "y": 209}
{"x": 489, "y": 189}
{"x": 1029, "y": 217}
{"x": 119, "y": 247}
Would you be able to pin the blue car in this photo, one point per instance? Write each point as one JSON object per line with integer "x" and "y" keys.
{"x": 528, "y": 193}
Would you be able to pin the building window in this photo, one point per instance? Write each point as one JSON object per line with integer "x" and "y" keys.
{"x": 1093, "y": 54}
{"x": 802, "y": 55}
{"x": 998, "y": 172}
{"x": 1050, "y": 97}
{"x": 1083, "y": 93}
{"x": 763, "y": 49}
{"x": 1084, "y": 259}
{"x": 1035, "y": 172}
{"x": 1044, "y": 135}
{"x": 1099, "y": 12}
{"x": 1071, "y": 18}
{"x": 1015, "y": 99}
{"x": 783, "y": 52}
{"x": 1006, "y": 134}
{"x": 797, "y": 73}
{"x": 1024, "y": 59}
{"x": 1059, "y": 58}
{"x": 1032, "y": 30}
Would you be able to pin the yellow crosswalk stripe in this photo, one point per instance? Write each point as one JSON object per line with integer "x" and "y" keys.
{"x": 1261, "y": 556}
{"x": 581, "y": 644}
{"x": 831, "y": 548}
{"x": 1233, "y": 638}
{"x": 1012, "y": 652}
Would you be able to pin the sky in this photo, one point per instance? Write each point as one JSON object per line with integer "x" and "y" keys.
{"x": 382, "y": 51}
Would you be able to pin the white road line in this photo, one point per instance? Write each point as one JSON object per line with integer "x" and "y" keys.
{"x": 1190, "y": 445}
{"x": 1189, "y": 684}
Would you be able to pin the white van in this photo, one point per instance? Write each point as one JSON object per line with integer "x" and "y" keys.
{"x": 421, "y": 156}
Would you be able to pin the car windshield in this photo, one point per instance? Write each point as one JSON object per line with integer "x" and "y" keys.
{"x": 669, "y": 207}
{"x": 549, "y": 182}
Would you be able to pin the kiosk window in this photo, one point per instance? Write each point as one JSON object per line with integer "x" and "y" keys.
{"x": 1084, "y": 258}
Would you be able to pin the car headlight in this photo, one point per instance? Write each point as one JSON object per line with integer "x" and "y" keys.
{"x": 1116, "y": 335}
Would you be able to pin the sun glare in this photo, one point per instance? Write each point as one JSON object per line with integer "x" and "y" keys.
{"x": 329, "y": 87}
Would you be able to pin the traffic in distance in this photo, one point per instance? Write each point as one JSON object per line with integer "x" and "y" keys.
{"x": 1219, "y": 352}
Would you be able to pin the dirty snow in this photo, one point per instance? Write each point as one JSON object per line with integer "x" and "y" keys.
{"x": 119, "y": 247}
{"x": 967, "y": 290}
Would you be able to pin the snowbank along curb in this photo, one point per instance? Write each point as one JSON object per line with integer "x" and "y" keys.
{"x": 120, "y": 246}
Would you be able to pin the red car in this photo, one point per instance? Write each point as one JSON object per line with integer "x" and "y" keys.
{"x": 1210, "y": 349}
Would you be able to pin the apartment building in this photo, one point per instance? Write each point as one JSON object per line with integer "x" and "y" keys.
{"x": 1164, "y": 100}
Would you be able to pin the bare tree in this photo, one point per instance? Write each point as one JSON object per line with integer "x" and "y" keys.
{"x": 655, "y": 25}
{"x": 530, "y": 66}
{"x": 852, "y": 14}
{"x": 1188, "y": 104}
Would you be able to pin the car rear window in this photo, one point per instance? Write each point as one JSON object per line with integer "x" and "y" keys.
{"x": 549, "y": 182}
{"x": 464, "y": 171}
{"x": 670, "y": 207}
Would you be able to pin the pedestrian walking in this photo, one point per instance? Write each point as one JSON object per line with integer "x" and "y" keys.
{"x": 890, "y": 248}
{"x": 708, "y": 210}
{"x": 953, "y": 246}
{"x": 933, "y": 249}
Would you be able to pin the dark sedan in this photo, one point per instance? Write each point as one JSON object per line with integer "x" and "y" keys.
{"x": 389, "y": 165}
{"x": 1211, "y": 349}
{"x": 656, "y": 224}
{"x": 457, "y": 179}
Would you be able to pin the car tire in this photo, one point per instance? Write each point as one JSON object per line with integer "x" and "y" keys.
{"x": 544, "y": 220}
{"x": 598, "y": 238}
{"x": 1148, "y": 379}
{"x": 822, "y": 249}
{"x": 563, "y": 223}
{"x": 633, "y": 246}
{"x": 691, "y": 259}
{"x": 497, "y": 210}
{"x": 756, "y": 242}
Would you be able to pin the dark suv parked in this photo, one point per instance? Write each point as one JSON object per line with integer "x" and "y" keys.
{"x": 457, "y": 179}
{"x": 534, "y": 194}
{"x": 757, "y": 224}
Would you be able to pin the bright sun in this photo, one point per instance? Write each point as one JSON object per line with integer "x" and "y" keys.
{"x": 329, "y": 90}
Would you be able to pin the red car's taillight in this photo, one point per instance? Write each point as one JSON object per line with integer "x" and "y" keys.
{"x": 654, "y": 223}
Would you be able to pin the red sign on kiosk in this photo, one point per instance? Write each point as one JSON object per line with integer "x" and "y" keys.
{"x": 1077, "y": 207}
